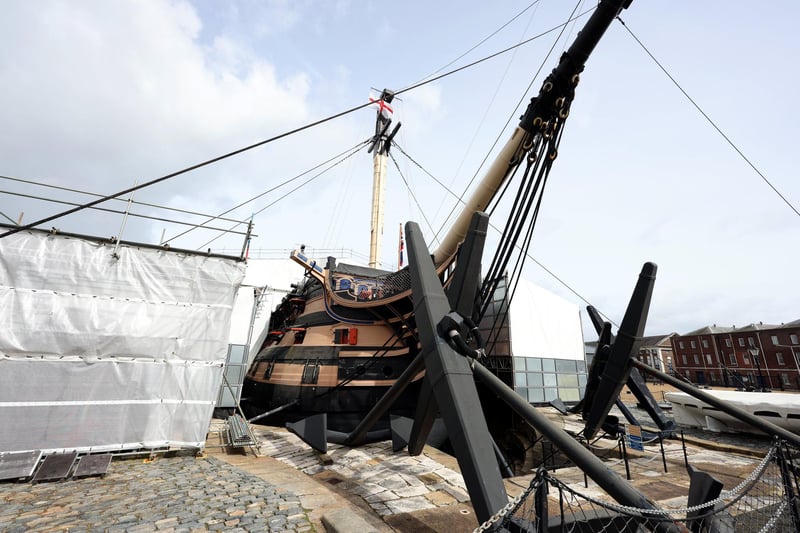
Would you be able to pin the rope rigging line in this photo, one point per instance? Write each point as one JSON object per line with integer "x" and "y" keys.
{"x": 413, "y": 196}
{"x": 351, "y": 153}
{"x": 118, "y": 212}
{"x": 290, "y": 180}
{"x": 269, "y": 140}
{"x": 709, "y": 120}
{"x": 511, "y": 115}
{"x": 134, "y": 202}
{"x": 495, "y": 32}
{"x": 487, "y": 110}
{"x": 499, "y": 232}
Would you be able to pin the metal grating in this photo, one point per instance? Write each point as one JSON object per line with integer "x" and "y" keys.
{"x": 55, "y": 466}
{"x": 18, "y": 465}
{"x": 92, "y": 465}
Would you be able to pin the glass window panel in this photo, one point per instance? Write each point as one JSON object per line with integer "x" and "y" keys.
{"x": 520, "y": 379}
{"x": 582, "y": 380}
{"x": 569, "y": 395}
{"x": 581, "y": 366}
{"x": 567, "y": 380}
{"x": 534, "y": 363}
{"x": 565, "y": 365}
{"x": 550, "y": 394}
{"x": 233, "y": 373}
{"x": 549, "y": 380}
{"x": 519, "y": 364}
{"x": 536, "y": 395}
{"x": 237, "y": 354}
{"x": 228, "y": 399}
{"x": 548, "y": 365}
{"x": 535, "y": 380}
{"x": 522, "y": 391}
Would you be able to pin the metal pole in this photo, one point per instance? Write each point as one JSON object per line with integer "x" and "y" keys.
{"x": 788, "y": 484}
{"x": 606, "y": 478}
{"x": 685, "y": 454}
{"x": 663, "y": 455}
{"x": 114, "y": 254}
{"x": 740, "y": 414}
{"x": 276, "y": 410}
{"x": 625, "y": 457}
{"x": 754, "y": 353}
{"x": 386, "y": 401}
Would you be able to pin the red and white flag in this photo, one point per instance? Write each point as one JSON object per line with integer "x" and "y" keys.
{"x": 383, "y": 108}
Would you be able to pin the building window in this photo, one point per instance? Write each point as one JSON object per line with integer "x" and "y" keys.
{"x": 785, "y": 379}
{"x": 728, "y": 343}
{"x": 680, "y": 345}
{"x": 708, "y": 358}
{"x": 693, "y": 344}
{"x": 792, "y": 337}
{"x": 751, "y": 341}
{"x": 684, "y": 359}
{"x": 779, "y": 357}
{"x": 705, "y": 343}
{"x": 746, "y": 359}
{"x": 774, "y": 339}
{"x": 732, "y": 359}
{"x": 741, "y": 341}
{"x": 696, "y": 360}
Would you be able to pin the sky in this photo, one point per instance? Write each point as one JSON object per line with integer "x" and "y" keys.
{"x": 99, "y": 96}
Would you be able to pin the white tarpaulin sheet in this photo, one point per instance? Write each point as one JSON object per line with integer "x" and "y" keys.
{"x": 104, "y": 353}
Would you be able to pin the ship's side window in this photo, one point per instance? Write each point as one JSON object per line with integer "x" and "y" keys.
{"x": 311, "y": 372}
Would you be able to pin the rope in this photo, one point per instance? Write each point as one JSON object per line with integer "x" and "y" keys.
{"x": 708, "y": 119}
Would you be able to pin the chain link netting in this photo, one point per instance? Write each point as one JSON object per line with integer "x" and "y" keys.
{"x": 766, "y": 500}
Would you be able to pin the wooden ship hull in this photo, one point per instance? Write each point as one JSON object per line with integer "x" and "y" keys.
{"x": 336, "y": 343}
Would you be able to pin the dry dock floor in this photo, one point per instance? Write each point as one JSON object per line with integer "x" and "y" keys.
{"x": 285, "y": 486}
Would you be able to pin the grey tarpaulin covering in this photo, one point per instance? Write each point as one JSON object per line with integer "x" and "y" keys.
{"x": 98, "y": 353}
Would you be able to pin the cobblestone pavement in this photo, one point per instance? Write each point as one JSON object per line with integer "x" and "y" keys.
{"x": 169, "y": 494}
{"x": 390, "y": 483}
{"x": 187, "y": 494}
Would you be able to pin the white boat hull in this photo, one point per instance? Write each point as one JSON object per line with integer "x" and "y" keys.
{"x": 778, "y": 408}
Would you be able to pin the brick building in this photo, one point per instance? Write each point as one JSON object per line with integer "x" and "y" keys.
{"x": 755, "y": 356}
{"x": 656, "y": 351}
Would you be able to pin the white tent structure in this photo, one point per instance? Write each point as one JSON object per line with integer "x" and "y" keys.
{"x": 547, "y": 345}
{"x": 105, "y": 349}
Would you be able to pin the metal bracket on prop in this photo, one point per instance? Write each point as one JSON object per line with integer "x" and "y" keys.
{"x": 454, "y": 328}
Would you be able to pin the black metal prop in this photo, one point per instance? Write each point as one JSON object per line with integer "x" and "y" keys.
{"x": 740, "y": 414}
{"x": 703, "y": 487}
{"x": 461, "y": 294}
{"x": 635, "y": 382}
{"x": 616, "y": 370}
{"x": 452, "y": 384}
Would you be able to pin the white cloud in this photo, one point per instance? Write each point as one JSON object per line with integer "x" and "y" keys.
{"x": 99, "y": 95}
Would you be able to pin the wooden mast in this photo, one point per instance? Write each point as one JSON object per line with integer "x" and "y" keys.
{"x": 380, "y": 145}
